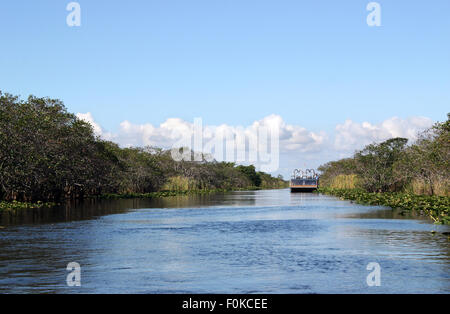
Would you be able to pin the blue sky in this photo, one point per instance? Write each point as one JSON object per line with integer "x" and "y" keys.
{"x": 314, "y": 63}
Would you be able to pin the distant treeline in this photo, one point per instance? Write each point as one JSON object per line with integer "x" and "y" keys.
{"x": 47, "y": 153}
{"x": 421, "y": 168}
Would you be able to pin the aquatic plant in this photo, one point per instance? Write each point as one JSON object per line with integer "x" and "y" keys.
{"x": 172, "y": 193}
{"x": 14, "y": 205}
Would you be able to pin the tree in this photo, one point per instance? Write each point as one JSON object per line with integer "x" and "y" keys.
{"x": 428, "y": 160}
{"x": 374, "y": 164}
{"x": 250, "y": 172}
{"x": 47, "y": 153}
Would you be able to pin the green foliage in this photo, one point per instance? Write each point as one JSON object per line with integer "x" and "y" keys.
{"x": 333, "y": 169}
{"x": 14, "y": 205}
{"x": 412, "y": 177}
{"x": 374, "y": 164}
{"x": 427, "y": 163}
{"x": 164, "y": 194}
{"x": 47, "y": 153}
{"x": 269, "y": 182}
{"x": 251, "y": 174}
{"x": 393, "y": 166}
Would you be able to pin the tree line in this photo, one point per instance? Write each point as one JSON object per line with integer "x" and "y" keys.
{"x": 395, "y": 165}
{"x": 47, "y": 153}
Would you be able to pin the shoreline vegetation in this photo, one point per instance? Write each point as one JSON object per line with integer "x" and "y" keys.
{"x": 435, "y": 207}
{"x": 15, "y": 205}
{"x": 173, "y": 193}
{"x": 397, "y": 174}
{"x": 48, "y": 155}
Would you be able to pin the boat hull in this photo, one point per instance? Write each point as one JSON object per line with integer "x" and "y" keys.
{"x": 304, "y": 185}
{"x": 303, "y": 189}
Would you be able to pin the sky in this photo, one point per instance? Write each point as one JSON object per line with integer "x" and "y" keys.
{"x": 330, "y": 83}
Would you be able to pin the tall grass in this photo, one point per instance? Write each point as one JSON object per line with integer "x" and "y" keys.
{"x": 344, "y": 182}
{"x": 180, "y": 183}
{"x": 420, "y": 187}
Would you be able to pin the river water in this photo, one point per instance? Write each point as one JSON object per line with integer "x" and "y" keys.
{"x": 241, "y": 242}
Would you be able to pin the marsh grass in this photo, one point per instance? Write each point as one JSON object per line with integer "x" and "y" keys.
{"x": 14, "y": 205}
{"x": 168, "y": 193}
{"x": 344, "y": 182}
{"x": 420, "y": 187}
{"x": 180, "y": 183}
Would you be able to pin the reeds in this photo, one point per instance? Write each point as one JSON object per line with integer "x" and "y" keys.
{"x": 180, "y": 183}
{"x": 420, "y": 187}
{"x": 344, "y": 182}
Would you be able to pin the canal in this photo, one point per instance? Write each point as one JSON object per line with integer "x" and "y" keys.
{"x": 240, "y": 242}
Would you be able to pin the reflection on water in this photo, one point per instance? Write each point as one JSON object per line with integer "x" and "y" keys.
{"x": 92, "y": 208}
{"x": 240, "y": 242}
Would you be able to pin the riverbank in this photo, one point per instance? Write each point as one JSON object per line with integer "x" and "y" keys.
{"x": 14, "y": 205}
{"x": 436, "y": 207}
{"x": 174, "y": 193}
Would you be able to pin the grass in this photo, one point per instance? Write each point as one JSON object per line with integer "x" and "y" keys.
{"x": 344, "y": 182}
{"x": 179, "y": 184}
{"x": 441, "y": 187}
{"x": 436, "y": 207}
{"x": 419, "y": 187}
{"x": 173, "y": 193}
{"x": 14, "y": 205}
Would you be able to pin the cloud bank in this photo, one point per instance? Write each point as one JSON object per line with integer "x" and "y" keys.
{"x": 297, "y": 145}
{"x": 351, "y": 136}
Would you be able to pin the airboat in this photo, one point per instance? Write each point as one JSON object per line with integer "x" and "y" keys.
{"x": 304, "y": 181}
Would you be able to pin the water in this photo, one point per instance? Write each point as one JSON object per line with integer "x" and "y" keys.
{"x": 241, "y": 242}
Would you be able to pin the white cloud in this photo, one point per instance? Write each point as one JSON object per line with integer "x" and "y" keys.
{"x": 298, "y": 147}
{"x": 352, "y": 136}
{"x": 87, "y": 117}
{"x": 292, "y": 137}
